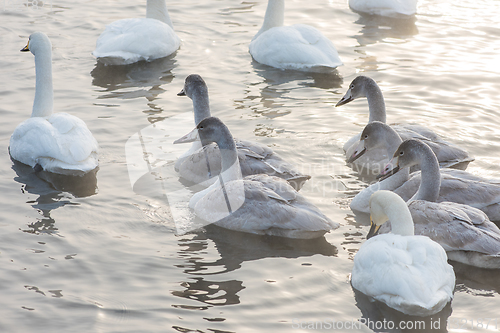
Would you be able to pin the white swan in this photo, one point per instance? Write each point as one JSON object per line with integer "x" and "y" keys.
{"x": 55, "y": 142}
{"x": 449, "y": 155}
{"x": 201, "y": 165}
{"x": 408, "y": 273}
{"x": 465, "y": 232}
{"x": 258, "y": 204}
{"x": 456, "y": 185}
{"x": 384, "y": 7}
{"x": 298, "y": 47}
{"x": 131, "y": 40}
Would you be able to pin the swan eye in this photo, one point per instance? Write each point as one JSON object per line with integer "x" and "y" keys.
{"x": 401, "y": 153}
{"x": 365, "y": 137}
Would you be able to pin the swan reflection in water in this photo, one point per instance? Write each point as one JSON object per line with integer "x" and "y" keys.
{"x": 205, "y": 282}
{"x": 271, "y": 85}
{"x": 54, "y": 191}
{"x": 376, "y": 28}
{"x": 378, "y": 317}
{"x": 131, "y": 81}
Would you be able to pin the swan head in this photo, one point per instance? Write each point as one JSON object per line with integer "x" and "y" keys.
{"x": 209, "y": 130}
{"x": 372, "y": 137}
{"x": 385, "y": 206}
{"x": 407, "y": 155}
{"x": 38, "y": 42}
{"x": 194, "y": 84}
{"x": 357, "y": 89}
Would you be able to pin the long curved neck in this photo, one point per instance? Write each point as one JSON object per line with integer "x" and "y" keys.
{"x": 392, "y": 142}
{"x": 400, "y": 217}
{"x": 201, "y": 105}
{"x": 401, "y": 222}
{"x": 43, "y": 104}
{"x": 394, "y": 181}
{"x": 157, "y": 9}
{"x": 376, "y": 104}
{"x": 230, "y": 165}
{"x": 275, "y": 16}
{"x": 392, "y": 139}
{"x": 430, "y": 181}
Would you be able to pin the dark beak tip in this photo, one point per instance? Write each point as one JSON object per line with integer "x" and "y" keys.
{"x": 354, "y": 157}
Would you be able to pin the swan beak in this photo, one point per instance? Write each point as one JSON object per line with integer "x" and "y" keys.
{"x": 360, "y": 150}
{"x": 373, "y": 229}
{"x": 181, "y": 93}
{"x": 389, "y": 169}
{"x": 346, "y": 99}
{"x": 26, "y": 48}
{"x": 190, "y": 137}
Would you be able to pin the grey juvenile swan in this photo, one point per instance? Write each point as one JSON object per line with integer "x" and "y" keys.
{"x": 465, "y": 232}
{"x": 448, "y": 155}
{"x": 380, "y": 137}
{"x": 200, "y": 165}
{"x": 258, "y": 204}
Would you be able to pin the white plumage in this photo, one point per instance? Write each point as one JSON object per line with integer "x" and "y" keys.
{"x": 131, "y": 40}
{"x": 297, "y": 47}
{"x": 409, "y": 273}
{"x": 59, "y": 142}
{"x": 465, "y": 232}
{"x": 384, "y": 7}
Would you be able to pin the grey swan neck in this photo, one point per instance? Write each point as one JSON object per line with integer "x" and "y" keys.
{"x": 201, "y": 104}
{"x": 430, "y": 181}
{"x": 230, "y": 165}
{"x": 376, "y": 103}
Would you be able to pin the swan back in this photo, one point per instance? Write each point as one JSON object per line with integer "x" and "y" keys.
{"x": 127, "y": 41}
{"x": 297, "y": 47}
{"x": 384, "y": 7}
{"x": 409, "y": 273}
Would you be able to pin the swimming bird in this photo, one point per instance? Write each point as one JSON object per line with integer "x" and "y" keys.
{"x": 54, "y": 142}
{"x": 465, "y": 232}
{"x": 449, "y": 155}
{"x": 378, "y": 138}
{"x": 298, "y": 47}
{"x": 259, "y": 204}
{"x": 200, "y": 164}
{"x": 127, "y": 41}
{"x": 456, "y": 185}
{"x": 384, "y": 7}
{"x": 408, "y": 273}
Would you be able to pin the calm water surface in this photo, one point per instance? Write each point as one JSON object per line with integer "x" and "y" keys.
{"x": 109, "y": 258}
